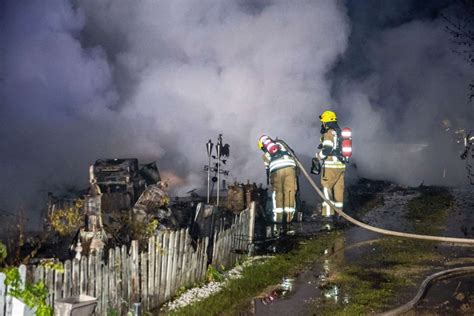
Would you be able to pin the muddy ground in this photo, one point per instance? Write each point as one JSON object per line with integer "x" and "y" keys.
{"x": 383, "y": 205}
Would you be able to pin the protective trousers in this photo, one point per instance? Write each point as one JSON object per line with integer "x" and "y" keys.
{"x": 284, "y": 190}
{"x": 332, "y": 180}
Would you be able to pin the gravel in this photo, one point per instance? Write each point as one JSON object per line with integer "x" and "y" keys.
{"x": 197, "y": 294}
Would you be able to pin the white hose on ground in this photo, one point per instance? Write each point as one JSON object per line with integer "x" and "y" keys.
{"x": 424, "y": 286}
{"x": 377, "y": 229}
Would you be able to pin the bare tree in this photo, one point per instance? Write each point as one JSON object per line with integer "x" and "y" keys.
{"x": 460, "y": 25}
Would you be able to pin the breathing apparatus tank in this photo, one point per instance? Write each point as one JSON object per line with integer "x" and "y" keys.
{"x": 268, "y": 144}
{"x": 346, "y": 144}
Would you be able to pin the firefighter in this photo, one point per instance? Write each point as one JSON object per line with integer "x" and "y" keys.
{"x": 468, "y": 144}
{"x": 333, "y": 164}
{"x": 281, "y": 169}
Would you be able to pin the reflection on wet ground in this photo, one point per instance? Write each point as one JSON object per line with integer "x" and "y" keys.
{"x": 315, "y": 283}
{"x": 302, "y": 294}
{"x": 294, "y": 296}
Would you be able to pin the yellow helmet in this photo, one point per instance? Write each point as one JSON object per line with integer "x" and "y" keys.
{"x": 328, "y": 116}
{"x": 260, "y": 142}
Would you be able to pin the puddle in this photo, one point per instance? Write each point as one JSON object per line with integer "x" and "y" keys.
{"x": 290, "y": 297}
{"x": 296, "y": 295}
{"x": 287, "y": 242}
{"x": 281, "y": 291}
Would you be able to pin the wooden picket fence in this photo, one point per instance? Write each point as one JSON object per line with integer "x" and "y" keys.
{"x": 125, "y": 276}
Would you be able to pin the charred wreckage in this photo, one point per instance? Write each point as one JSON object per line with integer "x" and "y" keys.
{"x": 126, "y": 201}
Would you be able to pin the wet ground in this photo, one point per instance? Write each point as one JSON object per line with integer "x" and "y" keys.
{"x": 302, "y": 294}
{"x": 454, "y": 296}
{"x": 449, "y": 297}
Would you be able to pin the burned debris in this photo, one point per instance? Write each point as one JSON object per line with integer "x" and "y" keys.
{"x": 121, "y": 191}
{"x": 127, "y": 201}
{"x": 465, "y": 138}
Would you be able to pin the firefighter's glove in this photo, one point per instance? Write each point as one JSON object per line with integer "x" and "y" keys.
{"x": 315, "y": 166}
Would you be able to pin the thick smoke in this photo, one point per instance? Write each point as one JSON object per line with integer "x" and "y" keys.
{"x": 156, "y": 79}
{"x": 396, "y": 85}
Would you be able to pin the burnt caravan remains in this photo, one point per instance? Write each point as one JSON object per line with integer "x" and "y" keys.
{"x": 122, "y": 181}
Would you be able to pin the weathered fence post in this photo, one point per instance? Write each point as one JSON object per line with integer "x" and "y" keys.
{"x": 83, "y": 275}
{"x": 67, "y": 279}
{"x": 118, "y": 279}
{"x": 164, "y": 266}
{"x": 76, "y": 281}
{"x": 251, "y": 226}
{"x": 90, "y": 275}
{"x": 175, "y": 262}
{"x": 169, "y": 265}
{"x": 144, "y": 280}
{"x": 180, "y": 264}
{"x": 57, "y": 289}
{"x": 98, "y": 282}
{"x": 125, "y": 275}
{"x": 134, "y": 276}
{"x": 2, "y": 294}
{"x": 151, "y": 270}
{"x": 49, "y": 282}
{"x": 158, "y": 256}
{"x": 106, "y": 291}
{"x": 111, "y": 273}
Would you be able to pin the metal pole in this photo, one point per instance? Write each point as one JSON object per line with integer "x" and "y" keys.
{"x": 209, "y": 154}
{"x": 218, "y": 181}
{"x": 219, "y": 146}
{"x": 218, "y": 176}
{"x": 208, "y": 179}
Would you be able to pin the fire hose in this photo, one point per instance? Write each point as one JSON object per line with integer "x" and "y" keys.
{"x": 377, "y": 229}
{"x": 424, "y": 286}
{"x": 369, "y": 227}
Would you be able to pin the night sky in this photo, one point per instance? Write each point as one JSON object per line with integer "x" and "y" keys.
{"x": 82, "y": 80}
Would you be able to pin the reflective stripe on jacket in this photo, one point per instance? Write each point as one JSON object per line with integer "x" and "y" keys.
{"x": 280, "y": 160}
{"x": 330, "y": 142}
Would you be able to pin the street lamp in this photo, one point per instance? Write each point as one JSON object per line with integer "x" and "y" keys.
{"x": 209, "y": 145}
{"x": 218, "y": 150}
{"x": 221, "y": 151}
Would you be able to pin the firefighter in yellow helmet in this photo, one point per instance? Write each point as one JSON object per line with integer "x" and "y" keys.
{"x": 333, "y": 166}
{"x": 281, "y": 168}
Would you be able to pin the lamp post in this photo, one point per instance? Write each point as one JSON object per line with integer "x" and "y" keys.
{"x": 218, "y": 149}
{"x": 209, "y": 145}
{"x": 221, "y": 151}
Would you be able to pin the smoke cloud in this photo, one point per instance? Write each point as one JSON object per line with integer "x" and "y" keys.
{"x": 156, "y": 79}
{"x": 396, "y": 85}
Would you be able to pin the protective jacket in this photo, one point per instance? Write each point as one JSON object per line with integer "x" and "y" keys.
{"x": 281, "y": 159}
{"x": 332, "y": 177}
{"x": 282, "y": 169}
{"x": 330, "y": 150}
